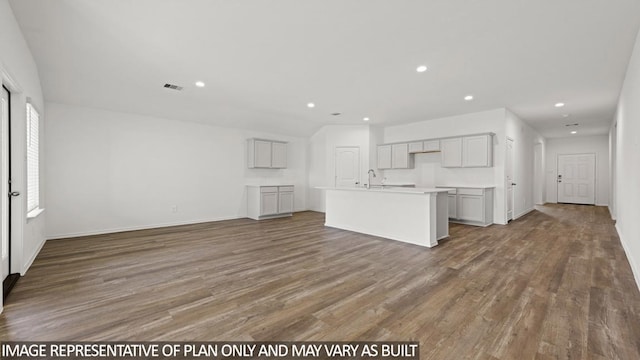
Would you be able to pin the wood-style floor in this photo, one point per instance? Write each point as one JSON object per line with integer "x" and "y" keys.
{"x": 554, "y": 284}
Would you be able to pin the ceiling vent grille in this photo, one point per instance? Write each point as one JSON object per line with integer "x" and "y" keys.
{"x": 576, "y": 124}
{"x": 173, "y": 87}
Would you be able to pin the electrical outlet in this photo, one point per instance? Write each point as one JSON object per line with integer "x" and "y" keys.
{"x": 174, "y": 208}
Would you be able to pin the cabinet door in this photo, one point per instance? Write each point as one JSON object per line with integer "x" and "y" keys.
{"x": 431, "y": 145}
{"x": 476, "y": 151}
{"x": 278, "y": 155}
{"x": 268, "y": 203}
{"x": 453, "y": 214}
{"x": 285, "y": 202}
{"x": 384, "y": 157}
{"x": 451, "y": 152}
{"x": 262, "y": 154}
{"x": 400, "y": 153}
{"x": 470, "y": 207}
{"x": 415, "y": 147}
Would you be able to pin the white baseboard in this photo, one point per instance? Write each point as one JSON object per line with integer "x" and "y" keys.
{"x": 27, "y": 265}
{"x": 634, "y": 266}
{"x": 141, "y": 227}
{"x": 144, "y": 227}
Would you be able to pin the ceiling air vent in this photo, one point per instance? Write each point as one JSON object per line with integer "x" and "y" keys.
{"x": 576, "y": 124}
{"x": 173, "y": 87}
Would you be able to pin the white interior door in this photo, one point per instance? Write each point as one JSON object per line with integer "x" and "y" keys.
{"x": 4, "y": 182}
{"x": 577, "y": 179}
{"x": 347, "y": 166}
{"x": 508, "y": 167}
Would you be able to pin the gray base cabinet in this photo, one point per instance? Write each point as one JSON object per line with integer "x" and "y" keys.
{"x": 471, "y": 206}
{"x": 266, "y": 202}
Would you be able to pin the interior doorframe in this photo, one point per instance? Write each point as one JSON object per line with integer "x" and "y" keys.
{"x": 18, "y": 179}
{"x": 513, "y": 189}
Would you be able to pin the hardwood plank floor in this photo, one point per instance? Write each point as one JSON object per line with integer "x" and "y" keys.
{"x": 554, "y": 284}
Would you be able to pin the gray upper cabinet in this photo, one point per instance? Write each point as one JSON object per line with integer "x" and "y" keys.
{"x": 400, "y": 156}
{"x": 266, "y": 154}
{"x": 415, "y": 147}
{"x": 455, "y": 152}
{"x": 394, "y": 156}
{"x": 451, "y": 152}
{"x": 477, "y": 151}
{"x": 467, "y": 151}
{"x": 384, "y": 157}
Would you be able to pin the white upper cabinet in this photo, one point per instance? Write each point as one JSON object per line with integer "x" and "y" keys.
{"x": 394, "y": 156}
{"x": 266, "y": 154}
{"x": 467, "y": 151}
{"x": 477, "y": 151}
{"x": 278, "y": 155}
{"x": 463, "y": 151}
{"x": 384, "y": 157}
{"x": 400, "y": 156}
{"x": 451, "y": 152}
{"x": 415, "y": 147}
{"x": 431, "y": 145}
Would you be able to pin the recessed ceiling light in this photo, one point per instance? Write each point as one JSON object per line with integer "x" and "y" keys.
{"x": 310, "y": 105}
{"x": 559, "y": 105}
{"x": 366, "y": 119}
{"x": 199, "y": 84}
{"x": 468, "y": 97}
{"x": 421, "y": 68}
{"x": 574, "y": 132}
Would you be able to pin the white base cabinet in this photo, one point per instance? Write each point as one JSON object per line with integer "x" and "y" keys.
{"x": 471, "y": 206}
{"x": 265, "y": 202}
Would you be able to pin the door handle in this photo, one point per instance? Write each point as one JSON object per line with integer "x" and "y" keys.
{"x": 14, "y": 193}
{"x": 513, "y": 184}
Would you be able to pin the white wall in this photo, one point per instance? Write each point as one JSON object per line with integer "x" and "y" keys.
{"x": 322, "y": 162}
{"x": 627, "y": 187}
{"x": 524, "y": 142}
{"x": 110, "y": 171}
{"x": 428, "y": 172}
{"x": 18, "y": 72}
{"x": 598, "y": 145}
{"x": 613, "y": 173}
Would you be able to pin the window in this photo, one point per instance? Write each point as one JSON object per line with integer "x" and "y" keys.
{"x": 33, "y": 159}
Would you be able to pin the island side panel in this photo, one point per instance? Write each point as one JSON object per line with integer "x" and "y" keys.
{"x": 398, "y": 216}
{"x": 442, "y": 215}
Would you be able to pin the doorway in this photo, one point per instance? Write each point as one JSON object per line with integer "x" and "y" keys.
{"x": 8, "y": 279}
{"x": 576, "y": 179}
{"x": 347, "y": 166}
{"x": 510, "y": 184}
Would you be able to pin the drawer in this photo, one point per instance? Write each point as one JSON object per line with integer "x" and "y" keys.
{"x": 470, "y": 191}
{"x": 268, "y": 189}
{"x": 285, "y": 188}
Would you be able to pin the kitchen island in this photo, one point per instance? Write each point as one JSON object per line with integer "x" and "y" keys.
{"x": 414, "y": 215}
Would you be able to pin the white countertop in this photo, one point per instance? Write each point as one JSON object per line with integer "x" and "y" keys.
{"x": 404, "y": 190}
{"x": 263, "y": 185}
{"x": 467, "y": 186}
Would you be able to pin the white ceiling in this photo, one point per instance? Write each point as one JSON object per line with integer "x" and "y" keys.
{"x": 262, "y": 61}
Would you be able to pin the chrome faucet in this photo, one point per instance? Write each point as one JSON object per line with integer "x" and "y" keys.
{"x": 370, "y": 172}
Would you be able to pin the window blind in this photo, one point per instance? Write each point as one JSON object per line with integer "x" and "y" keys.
{"x": 33, "y": 158}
